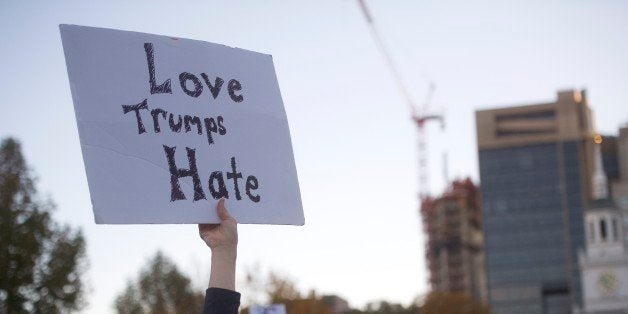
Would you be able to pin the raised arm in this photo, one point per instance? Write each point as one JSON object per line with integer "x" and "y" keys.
{"x": 222, "y": 239}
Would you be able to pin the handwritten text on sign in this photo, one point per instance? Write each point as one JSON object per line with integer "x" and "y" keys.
{"x": 195, "y": 122}
{"x": 210, "y": 126}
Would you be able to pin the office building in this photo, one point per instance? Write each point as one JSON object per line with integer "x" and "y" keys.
{"x": 535, "y": 170}
{"x": 454, "y": 254}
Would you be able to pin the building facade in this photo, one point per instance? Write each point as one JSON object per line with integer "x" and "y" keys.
{"x": 604, "y": 263}
{"x": 535, "y": 170}
{"x": 454, "y": 254}
{"x": 619, "y": 186}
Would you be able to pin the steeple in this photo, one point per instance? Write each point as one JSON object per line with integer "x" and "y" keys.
{"x": 604, "y": 262}
{"x": 602, "y": 219}
{"x": 600, "y": 181}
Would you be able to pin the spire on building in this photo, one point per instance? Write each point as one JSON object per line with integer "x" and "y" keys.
{"x": 600, "y": 181}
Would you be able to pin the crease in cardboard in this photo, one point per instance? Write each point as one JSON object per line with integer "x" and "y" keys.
{"x": 141, "y": 159}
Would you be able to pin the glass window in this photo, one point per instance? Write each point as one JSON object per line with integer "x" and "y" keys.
{"x": 614, "y": 229}
{"x": 591, "y": 232}
{"x": 603, "y": 229}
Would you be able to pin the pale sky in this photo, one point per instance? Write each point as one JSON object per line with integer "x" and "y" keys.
{"x": 353, "y": 140}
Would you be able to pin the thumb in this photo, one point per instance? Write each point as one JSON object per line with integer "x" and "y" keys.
{"x": 223, "y": 213}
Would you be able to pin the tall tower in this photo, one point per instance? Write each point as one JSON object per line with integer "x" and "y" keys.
{"x": 536, "y": 164}
{"x": 604, "y": 264}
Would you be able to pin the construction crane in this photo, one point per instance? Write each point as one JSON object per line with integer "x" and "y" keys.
{"x": 420, "y": 115}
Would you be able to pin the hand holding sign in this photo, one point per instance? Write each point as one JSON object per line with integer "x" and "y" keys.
{"x": 158, "y": 153}
{"x": 223, "y": 236}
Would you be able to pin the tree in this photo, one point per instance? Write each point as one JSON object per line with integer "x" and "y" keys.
{"x": 449, "y": 302}
{"x": 278, "y": 289}
{"x": 41, "y": 262}
{"x": 385, "y": 307}
{"x": 160, "y": 289}
{"x": 312, "y": 304}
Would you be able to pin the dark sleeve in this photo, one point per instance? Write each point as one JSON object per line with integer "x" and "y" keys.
{"x": 221, "y": 301}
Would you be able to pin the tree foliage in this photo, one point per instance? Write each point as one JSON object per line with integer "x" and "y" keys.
{"x": 385, "y": 307}
{"x": 41, "y": 262}
{"x": 274, "y": 288}
{"x": 448, "y": 302}
{"x": 160, "y": 289}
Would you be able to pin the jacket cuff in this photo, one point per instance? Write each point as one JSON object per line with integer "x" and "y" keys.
{"x": 226, "y": 300}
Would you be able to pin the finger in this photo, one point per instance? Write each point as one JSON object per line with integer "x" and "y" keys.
{"x": 223, "y": 213}
{"x": 203, "y": 228}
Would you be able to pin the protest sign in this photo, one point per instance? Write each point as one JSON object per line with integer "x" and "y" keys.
{"x": 168, "y": 126}
{"x": 270, "y": 309}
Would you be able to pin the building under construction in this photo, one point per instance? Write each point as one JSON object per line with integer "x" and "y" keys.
{"x": 454, "y": 254}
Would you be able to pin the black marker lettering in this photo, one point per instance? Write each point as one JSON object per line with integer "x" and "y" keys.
{"x": 210, "y": 127}
{"x": 193, "y": 120}
{"x": 234, "y": 85}
{"x": 214, "y": 89}
{"x": 252, "y": 184}
{"x": 221, "y": 128}
{"x": 128, "y": 108}
{"x": 222, "y": 189}
{"x": 155, "y": 113}
{"x": 198, "y": 87}
{"x": 154, "y": 88}
{"x": 177, "y": 173}
{"x": 175, "y": 127}
{"x": 235, "y": 175}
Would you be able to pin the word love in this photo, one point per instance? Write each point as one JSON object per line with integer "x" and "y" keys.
{"x": 196, "y": 88}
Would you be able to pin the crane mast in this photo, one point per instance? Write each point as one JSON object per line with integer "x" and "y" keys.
{"x": 421, "y": 116}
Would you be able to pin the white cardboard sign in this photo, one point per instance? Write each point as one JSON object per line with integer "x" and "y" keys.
{"x": 168, "y": 126}
{"x": 270, "y": 309}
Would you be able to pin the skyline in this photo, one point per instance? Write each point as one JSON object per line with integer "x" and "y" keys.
{"x": 353, "y": 140}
